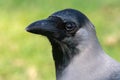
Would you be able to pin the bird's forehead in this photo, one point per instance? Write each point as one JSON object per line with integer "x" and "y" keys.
{"x": 71, "y": 15}
{"x": 68, "y": 14}
{"x": 66, "y": 17}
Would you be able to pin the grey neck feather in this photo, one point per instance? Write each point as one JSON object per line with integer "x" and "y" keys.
{"x": 83, "y": 43}
{"x": 89, "y": 55}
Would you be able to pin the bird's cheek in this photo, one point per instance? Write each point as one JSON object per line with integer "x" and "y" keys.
{"x": 59, "y": 36}
{"x": 56, "y": 35}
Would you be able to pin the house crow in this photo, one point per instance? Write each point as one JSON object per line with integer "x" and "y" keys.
{"x": 76, "y": 50}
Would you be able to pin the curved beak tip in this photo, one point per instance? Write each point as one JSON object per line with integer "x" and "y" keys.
{"x": 27, "y": 29}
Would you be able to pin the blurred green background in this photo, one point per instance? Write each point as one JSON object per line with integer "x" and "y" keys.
{"x": 25, "y": 56}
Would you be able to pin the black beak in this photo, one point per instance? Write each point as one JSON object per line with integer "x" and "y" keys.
{"x": 43, "y": 27}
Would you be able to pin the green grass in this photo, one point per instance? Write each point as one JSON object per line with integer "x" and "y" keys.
{"x": 25, "y": 56}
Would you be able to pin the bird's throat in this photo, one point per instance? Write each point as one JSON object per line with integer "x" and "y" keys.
{"x": 62, "y": 55}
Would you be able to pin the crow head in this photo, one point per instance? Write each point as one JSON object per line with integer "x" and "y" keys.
{"x": 69, "y": 32}
{"x": 61, "y": 26}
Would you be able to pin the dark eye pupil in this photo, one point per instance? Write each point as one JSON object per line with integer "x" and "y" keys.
{"x": 70, "y": 26}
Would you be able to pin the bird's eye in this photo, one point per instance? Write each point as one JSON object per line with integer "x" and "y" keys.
{"x": 69, "y": 26}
